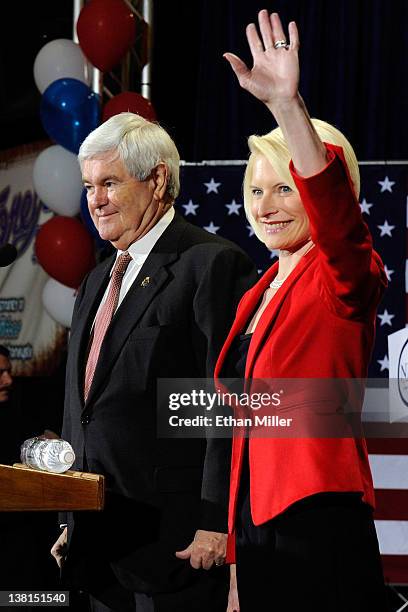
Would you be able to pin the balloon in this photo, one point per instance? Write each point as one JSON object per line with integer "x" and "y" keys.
{"x": 58, "y": 300}
{"x": 69, "y": 112}
{"x": 65, "y": 250}
{"x": 57, "y": 180}
{"x": 129, "y": 101}
{"x": 89, "y": 224}
{"x": 58, "y": 59}
{"x": 106, "y": 31}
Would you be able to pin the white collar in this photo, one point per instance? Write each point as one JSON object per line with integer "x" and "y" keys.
{"x": 141, "y": 248}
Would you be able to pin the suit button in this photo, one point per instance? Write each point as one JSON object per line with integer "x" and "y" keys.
{"x": 86, "y": 419}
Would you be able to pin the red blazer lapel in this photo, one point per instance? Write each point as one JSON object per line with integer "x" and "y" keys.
{"x": 244, "y": 311}
{"x": 270, "y": 313}
{"x": 247, "y": 306}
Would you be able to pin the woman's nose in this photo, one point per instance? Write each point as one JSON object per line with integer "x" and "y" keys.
{"x": 266, "y": 206}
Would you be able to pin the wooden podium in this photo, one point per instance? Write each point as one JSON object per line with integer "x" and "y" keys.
{"x": 23, "y": 488}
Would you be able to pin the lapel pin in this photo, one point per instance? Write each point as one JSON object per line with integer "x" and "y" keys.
{"x": 145, "y": 282}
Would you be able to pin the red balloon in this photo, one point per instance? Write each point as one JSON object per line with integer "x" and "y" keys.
{"x": 65, "y": 250}
{"x": 106, "y": 31}
{"x": 129, "y": 101}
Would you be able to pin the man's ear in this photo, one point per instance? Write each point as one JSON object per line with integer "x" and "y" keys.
{"x": 160, "y": 177}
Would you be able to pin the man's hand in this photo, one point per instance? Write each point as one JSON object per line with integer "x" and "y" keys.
{"x": 233, "y": 601}
{"x": 208, "y": 547}
{"x": 58, "y": 551}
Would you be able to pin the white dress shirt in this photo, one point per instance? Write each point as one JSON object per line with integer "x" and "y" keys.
{"x": 139, "y": 252}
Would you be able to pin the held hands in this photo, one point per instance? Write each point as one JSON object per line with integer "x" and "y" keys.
{"x": 208, "y": 547}
{"x": 58, "y": 551}
{"x": 274, "y": 77}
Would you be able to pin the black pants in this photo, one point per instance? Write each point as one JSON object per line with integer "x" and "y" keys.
{"x": 207, "y": 594}
{"x": 321, "y": 554}
{"x": 136, "y": 568}
{"x": 136, "y": 603}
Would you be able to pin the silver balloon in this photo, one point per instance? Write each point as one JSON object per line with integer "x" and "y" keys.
{"x": 58, "y": 300}
{"x": 58, "y": 59}
{"x": 57, "y": 180}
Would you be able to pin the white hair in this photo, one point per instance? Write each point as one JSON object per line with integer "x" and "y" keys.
{"x": 140, "y": 144}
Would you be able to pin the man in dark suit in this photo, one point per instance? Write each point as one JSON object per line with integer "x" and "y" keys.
{"x": 159, "y": 308}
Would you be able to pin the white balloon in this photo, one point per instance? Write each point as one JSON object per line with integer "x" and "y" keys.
{"x": 58, "y": 181}
{"x": 59, "y": 59}
{"x": 58, "y": 300}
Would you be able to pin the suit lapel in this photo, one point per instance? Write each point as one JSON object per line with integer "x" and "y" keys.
{"x": 136, "y": 301}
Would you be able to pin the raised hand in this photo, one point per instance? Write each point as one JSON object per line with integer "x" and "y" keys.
{"x": 274, "y": 77}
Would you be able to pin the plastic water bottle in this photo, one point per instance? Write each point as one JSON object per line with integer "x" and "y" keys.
{"x": 47, "y": 454}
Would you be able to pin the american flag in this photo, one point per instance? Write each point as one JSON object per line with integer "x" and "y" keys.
{"x": 211, "y": 197}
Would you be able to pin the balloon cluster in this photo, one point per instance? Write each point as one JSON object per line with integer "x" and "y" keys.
{"x": 69, "y": 111}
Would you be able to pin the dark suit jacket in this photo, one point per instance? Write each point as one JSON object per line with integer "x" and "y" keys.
{"x": 160, "y": 490}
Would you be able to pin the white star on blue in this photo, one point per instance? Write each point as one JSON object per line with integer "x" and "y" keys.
{"x": 365, "y": 207}
{"x": 384, "y": 363}
{"x": 213, "y": 229}
{"x": 212, "y": 186}
{"x": 388, "y": 272}
{"x": 190, "y": 208}
{"x": 233, "y": 208}
{"x": 386, "y": 184}
{"x": 386, "y": 318}
{"x": 386, "y": 229}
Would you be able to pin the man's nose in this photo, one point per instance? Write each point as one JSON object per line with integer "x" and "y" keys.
{"x": 99, "y": 197}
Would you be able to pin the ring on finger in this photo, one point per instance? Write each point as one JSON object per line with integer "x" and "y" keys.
{"x": 281, "y": 43}
{"x": 219, "y": 562}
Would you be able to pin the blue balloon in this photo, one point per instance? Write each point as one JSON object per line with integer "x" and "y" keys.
{"x": 69, "y": 111}
{"x": 89, "y": 224}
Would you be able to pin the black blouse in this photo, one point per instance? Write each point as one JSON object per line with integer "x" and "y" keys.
{"x": 235, "y": 362}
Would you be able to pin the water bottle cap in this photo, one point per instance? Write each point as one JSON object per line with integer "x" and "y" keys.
{"x": 67, "y": 457}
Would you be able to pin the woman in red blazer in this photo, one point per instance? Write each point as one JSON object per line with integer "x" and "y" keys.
{"x": 301, "y": 507}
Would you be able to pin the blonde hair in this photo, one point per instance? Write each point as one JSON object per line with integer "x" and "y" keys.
{"x": 273, "y": 147}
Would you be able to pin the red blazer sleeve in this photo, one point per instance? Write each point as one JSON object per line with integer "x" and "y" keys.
{"x": 230, "y": 557}
{"x": 351, "y": 272}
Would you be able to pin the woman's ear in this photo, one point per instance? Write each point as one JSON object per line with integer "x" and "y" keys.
{"x": 160, "y": 178}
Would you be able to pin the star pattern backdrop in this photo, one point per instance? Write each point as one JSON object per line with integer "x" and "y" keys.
{"x": 212, "y": 198}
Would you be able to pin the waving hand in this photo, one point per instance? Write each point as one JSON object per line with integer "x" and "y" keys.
{"x": 274, "y": 77}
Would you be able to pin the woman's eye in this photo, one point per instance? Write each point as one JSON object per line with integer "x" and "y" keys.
{"x": 285, "y": 189}
{"x": 256, "y": 192}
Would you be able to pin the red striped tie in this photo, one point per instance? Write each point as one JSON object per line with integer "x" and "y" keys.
{"x": 103, "y": 318}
